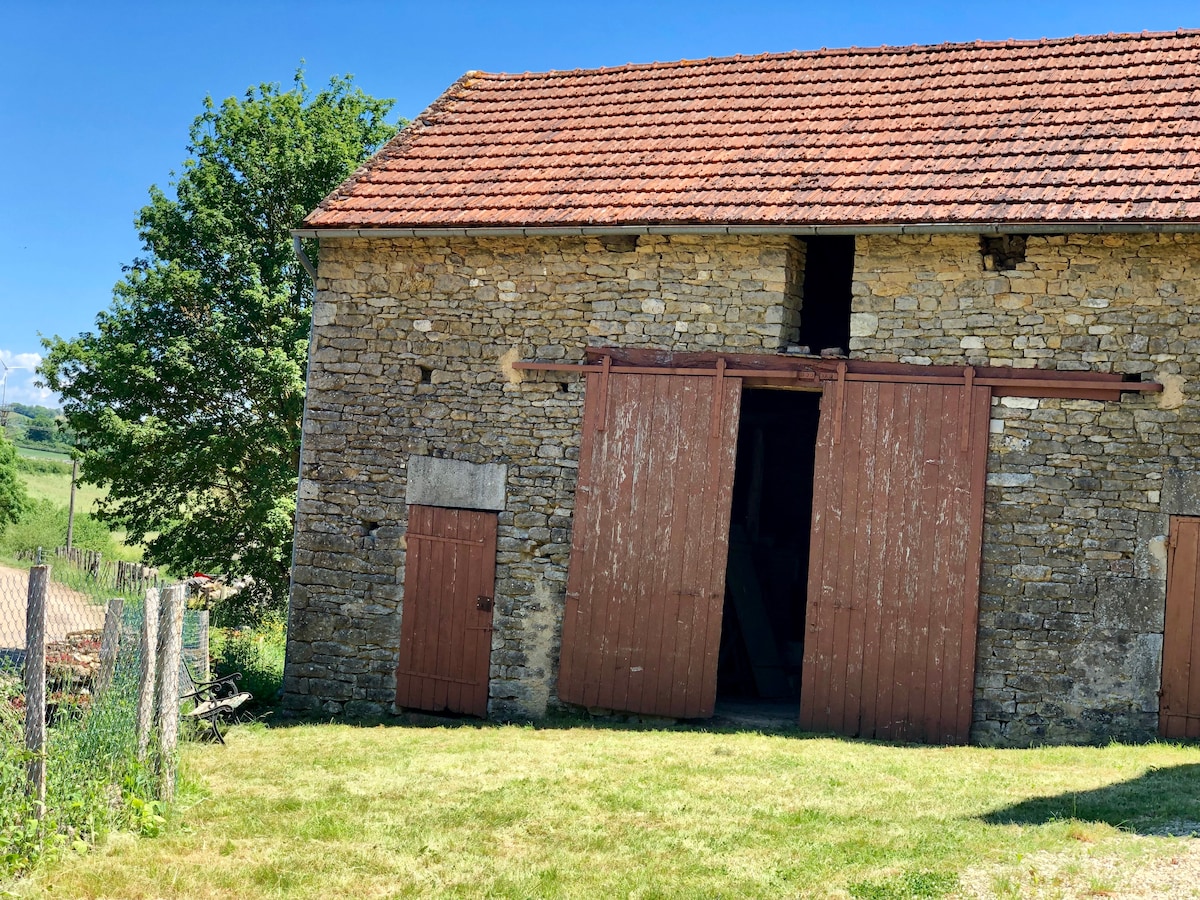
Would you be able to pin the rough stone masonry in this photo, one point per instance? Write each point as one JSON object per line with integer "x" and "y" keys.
{"x": 413, "y": 346}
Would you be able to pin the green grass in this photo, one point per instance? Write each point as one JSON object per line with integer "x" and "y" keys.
{"x": 509, "y": 811}
{"x": 56, "y": 487}
{"x": 39, "y": 453}
{"x": 48, "y": 477}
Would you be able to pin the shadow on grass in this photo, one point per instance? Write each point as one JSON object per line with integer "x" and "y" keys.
{"x": 553, "y": 721}
{"x": 1160, "y": 802}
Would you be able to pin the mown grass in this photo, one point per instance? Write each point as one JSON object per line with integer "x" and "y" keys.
{"x": 341, "y": 811}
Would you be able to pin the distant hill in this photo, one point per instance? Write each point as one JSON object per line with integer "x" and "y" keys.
{"x": 32, "y": 412}
{"x": 17, "y": 424}
{"x": 38, "y": 427}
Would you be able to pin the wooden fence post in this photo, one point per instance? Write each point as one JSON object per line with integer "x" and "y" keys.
{"x": 146, "y": 674}
{"x": 110, "y": 643}
{"x": 171, "y": 623}
{"x": 35, "y": 686}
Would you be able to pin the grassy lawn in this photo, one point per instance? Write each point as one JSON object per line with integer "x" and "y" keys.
{"x": 510, "y": 811}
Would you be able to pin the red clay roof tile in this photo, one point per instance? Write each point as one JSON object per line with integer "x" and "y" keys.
{"x": 1079, "y": 130}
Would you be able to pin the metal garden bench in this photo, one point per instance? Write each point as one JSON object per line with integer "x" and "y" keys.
{"x": 216, "y": 699}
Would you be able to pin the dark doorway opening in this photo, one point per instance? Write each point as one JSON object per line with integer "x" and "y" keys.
{"x": 828, "y": 277}
{"x": 762, "y": 631}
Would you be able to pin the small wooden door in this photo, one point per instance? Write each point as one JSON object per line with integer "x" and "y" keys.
{"x": 446, "y": 623}
{"x": 893, "y": 591}
{"x": 646, "y": 583}
{"x": 1179, "y": 704}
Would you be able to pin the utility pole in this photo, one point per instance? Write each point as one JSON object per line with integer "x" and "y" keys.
{"x": 71, "y": 508}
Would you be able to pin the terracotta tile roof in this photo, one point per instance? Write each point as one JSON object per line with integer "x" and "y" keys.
{"x": 1079, "y": 130}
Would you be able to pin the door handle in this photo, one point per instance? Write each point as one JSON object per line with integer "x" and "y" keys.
{"x": 484, "y": 604}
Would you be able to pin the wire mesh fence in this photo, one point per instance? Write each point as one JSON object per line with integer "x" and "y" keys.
{"x": 86, "y": 741}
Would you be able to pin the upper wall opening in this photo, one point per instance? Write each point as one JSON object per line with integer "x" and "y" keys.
{"x": 828, "y": 275}
{"x": 1002, "y": 252}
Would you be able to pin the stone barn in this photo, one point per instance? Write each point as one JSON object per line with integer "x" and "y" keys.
{"x": 855, "y": 387}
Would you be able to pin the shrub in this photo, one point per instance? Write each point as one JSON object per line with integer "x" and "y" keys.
{"x": 257, "y": 653}
{"x": 44, "y": 524}
{"x": 13, "y": 498}
{"x": 40, "y": 466}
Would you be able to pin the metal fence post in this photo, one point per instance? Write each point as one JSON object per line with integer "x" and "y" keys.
{"x": 203, "y": 672}
{"x": 168, "y": 685}
{"x": 35, "y": 685}
{"x": 146, "y": 674}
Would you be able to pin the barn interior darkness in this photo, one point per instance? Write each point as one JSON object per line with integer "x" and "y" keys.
{"x": 828, "y": 277}
{"x": 762, "y": 630}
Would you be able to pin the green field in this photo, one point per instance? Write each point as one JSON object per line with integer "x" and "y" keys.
{"x": 580, "y": 811}
{"x": 37, "y": 453}
{"x": 56, "y": 486}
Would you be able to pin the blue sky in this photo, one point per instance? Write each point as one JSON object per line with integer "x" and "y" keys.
{"x": 96, "y": 98}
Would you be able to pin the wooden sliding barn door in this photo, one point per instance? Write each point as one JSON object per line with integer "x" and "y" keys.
{"x": 1179, "y": 703}
{"x": 446, "y": 623}
{"x": 646, "y": 583}
{"x": 893, "y": 592}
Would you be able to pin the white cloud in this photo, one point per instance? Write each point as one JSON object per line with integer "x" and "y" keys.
{"x": 20, "y": 387}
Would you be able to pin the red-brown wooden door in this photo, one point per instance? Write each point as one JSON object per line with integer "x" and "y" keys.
{"x": 446, "y": 623}
{"x": 646, "y": 584}
{"x": 893, "y": 591}
{"x": 1179, "y": 704}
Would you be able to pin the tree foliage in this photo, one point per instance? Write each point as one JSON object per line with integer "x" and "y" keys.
{"x": 187, "y": 397}
{"x": 13, "y": 499}
{"x": 42, "y": 430}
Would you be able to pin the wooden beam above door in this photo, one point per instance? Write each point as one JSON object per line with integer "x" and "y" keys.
{"x": 777, "y": 370}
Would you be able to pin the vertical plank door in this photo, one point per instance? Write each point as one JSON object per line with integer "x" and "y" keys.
{"x": 893, "y": 590}
{"x": 646, "y": 583}
{"x": 1179, "y": 703}
{"x": 446, "y": 622}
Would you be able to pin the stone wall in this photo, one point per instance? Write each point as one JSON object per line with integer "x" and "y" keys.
{"x": 414, "y": 341}
{"x": 1074, "y": 562}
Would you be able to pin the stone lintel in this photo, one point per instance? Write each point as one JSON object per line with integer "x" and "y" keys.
{"x": 433, "y": 481}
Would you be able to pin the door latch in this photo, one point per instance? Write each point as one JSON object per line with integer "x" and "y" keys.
{"x": 483, "y": 604}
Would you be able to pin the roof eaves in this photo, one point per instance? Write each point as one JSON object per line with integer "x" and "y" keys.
{"x": 799, "y": 229}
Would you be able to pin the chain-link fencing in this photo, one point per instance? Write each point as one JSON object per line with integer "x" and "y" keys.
{"x": 88, "y": 715}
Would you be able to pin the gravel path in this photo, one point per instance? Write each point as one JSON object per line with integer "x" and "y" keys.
{"x": 68, "y": 610}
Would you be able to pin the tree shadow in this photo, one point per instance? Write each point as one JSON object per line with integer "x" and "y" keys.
{"x": 1162, "y": 801}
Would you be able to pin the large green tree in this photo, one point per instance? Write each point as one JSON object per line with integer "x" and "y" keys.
{"x": 186, "y": 398}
